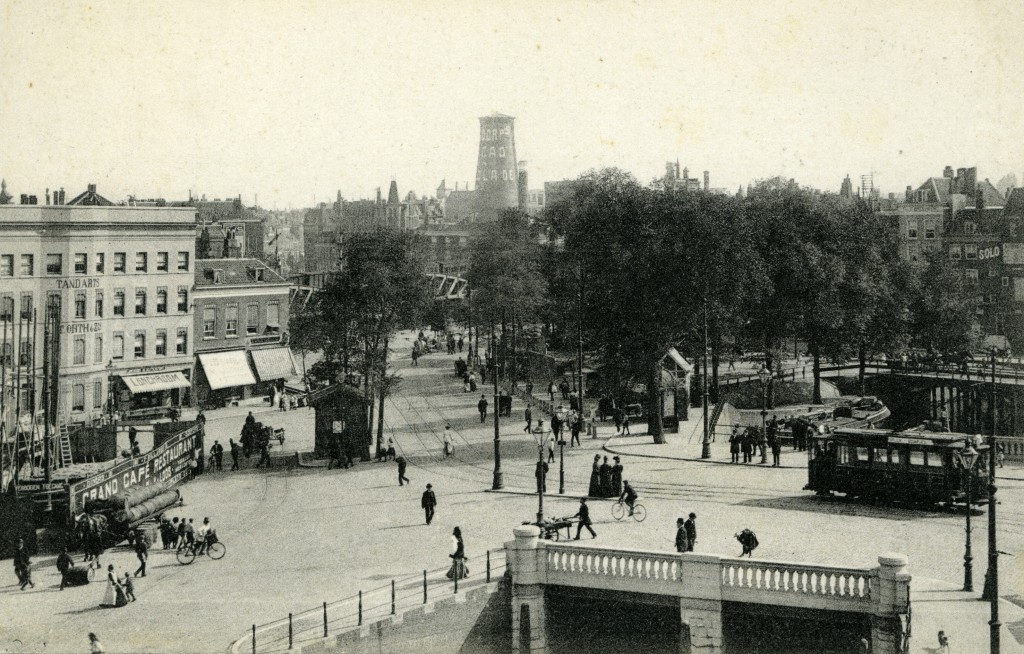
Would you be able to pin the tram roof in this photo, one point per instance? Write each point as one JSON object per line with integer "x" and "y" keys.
{"x": 915, "y": 436}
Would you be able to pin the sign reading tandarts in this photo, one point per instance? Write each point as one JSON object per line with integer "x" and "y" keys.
{"x": 168, "y": 463}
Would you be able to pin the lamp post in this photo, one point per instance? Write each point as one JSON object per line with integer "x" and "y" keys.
{"x": 705, "y": 445}
{"x": 967, "y": 458}
{"x": 991, "y": 591}
{"x": 765, "y": 376}
{"x": 561, "y": 459}
{"x": 498, "y": 481}
{"x": 539, "y": 435}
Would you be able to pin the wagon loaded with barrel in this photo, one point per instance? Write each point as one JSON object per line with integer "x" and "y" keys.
{"x": 108, "y": 521}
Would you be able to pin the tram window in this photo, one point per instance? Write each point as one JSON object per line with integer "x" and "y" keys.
{"x": 894, "y": 457}
{"x": 843, "y": 454}
{"x": 916, "y": 458}
{"x": 935, "y": 459}
{"x": 862, "y": 454}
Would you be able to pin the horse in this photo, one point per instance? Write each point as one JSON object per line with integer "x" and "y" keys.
{"x": 90, "y": 530}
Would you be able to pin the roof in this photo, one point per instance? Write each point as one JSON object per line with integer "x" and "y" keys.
{"x": 495, "y": 114}
{"x": 208, "y": 211}
{"x": 234, "y": 272}
{"x": 1015, "y": 203}
{"x": 991, "y": 195}
{"x": 90, "y": 198}
{"x": 393, "y": 193}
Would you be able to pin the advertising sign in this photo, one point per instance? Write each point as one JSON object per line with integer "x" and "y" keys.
{"x": 168, "y": 463}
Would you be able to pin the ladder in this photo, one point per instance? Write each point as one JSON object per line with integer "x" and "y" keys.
{"x": 64, "y": 446}
{"x": 717, "y": 413}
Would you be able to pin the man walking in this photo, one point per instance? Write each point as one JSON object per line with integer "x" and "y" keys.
{"x": 23, "y": 565}
{"x": 574, "y": 429}
{"x": 218, "y": 455}
{"x": 482, "y": 408}
{"x": 682, "y": 540}
{"x": 691, "y": 531}
{"x": 234, "y": 453}
{"x": 401, "y": 470}
{"x": 141, "y": 551}
{"x": 541, "y": 474}
{"x": 584, "y": 515}
{"x": 448, "y": 449}
{"x": 776, "y": 451}
{"x": 529, "y": 418}
{"x": 64, "y": 565}
{"x": 428, "y": 502}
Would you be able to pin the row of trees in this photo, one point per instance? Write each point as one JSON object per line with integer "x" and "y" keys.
{"x": 643, "y": 268}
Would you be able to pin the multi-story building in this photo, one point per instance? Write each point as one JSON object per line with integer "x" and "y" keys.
{"x": 240, "y": 314}
{"x": 120, "y": 279}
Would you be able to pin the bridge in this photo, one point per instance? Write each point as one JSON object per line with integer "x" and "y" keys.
{"x": 700, "y": 586}
{"x": 445, "y": 287}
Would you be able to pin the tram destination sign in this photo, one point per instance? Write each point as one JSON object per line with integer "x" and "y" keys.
{"x": 168, "y": 463}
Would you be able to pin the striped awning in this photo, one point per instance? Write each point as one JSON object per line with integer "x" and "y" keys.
{"x": 273, "y": 363}
{"x": 160, "y": 381}
{"x": 226, "y": 369}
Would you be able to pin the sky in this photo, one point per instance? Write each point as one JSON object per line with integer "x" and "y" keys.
{"x": 286, "y": 103}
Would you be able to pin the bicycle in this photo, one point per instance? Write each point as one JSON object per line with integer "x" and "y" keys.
{"x": 215, "y": 550}
{"x": 619, "y": 510}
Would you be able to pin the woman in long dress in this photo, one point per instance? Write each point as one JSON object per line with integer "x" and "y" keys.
{"x": 114, "y": 595}
{"x": 595, "y": 478}
{"x": 458, "y": 556}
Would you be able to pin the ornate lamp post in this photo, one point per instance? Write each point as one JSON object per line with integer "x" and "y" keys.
{"x": 991, "y": 591}
{"x": 538, "y": 434}
{"x": 765, "y": 376}
{"x": 561, "y": 457}
{"x": 497, "y": 483}
{"x": 967, "y": 457}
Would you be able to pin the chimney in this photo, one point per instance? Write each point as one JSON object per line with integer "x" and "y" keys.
{"x": 33, "y": 199}
{"x": 910, "y": 194}
{"x": 48, "y": 196}
{"x": 707, "y": 180}
{"x": 63, "y": 196}
{"x": 24, "y": 198}
{"x": 677, "y": 169}
{"x": 92, "y": 188}
{"x": 947, "y": 172}
{"x": 979, "y": 198}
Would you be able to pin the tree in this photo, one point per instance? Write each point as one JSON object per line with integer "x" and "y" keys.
{"x": 944, "y": 309}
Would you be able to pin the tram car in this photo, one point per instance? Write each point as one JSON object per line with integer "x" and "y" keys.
{"x": 916, "y": 467}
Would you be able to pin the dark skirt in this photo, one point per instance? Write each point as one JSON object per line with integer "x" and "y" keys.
{"x": 595, "y": 483}
{"x": 606, "y": 483}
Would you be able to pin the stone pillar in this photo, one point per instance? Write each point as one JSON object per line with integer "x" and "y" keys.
{"x": 892, "y": 602}
{"x": 701, "y": 610}
{"x": 528, "y": 566}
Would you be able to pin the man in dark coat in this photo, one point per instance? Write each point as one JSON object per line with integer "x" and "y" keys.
{"x": 401, "y": 470}
{"x": 776, "y": 451}
{"x": 556, "y": 425}
{"x": 234, "y": 453}
{"x": 541, "y": 473}
{"x": 584, "y": 515}
{"x": 218, "y": 455}
{"x": 428, "y": 502}
{"x": 64, "y": 565}
{"x": 23, "y": 565}
{"x": 481, "y": 406}
{"x": 691, "y": 531}
{"x": 682, "y": 539}
{"x": 141, "y": 551}
{"x": 528, "y": 414}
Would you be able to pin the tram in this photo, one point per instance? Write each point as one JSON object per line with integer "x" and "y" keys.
{"x": 916, "y": 466}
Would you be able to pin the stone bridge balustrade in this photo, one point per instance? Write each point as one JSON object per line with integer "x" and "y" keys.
{"x": 701, "y": 583}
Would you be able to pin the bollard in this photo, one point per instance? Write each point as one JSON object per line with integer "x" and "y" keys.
{"x": 455, "y": 577}
{"x": 325, "y": 619}
{"x": 488, "y": 566}
{"x": 392, "y": 597}
{"x": 360, "y": 608}
{"x": 289, "y": 631}
{"x": 254, "y": 639}
{"x": 424, "y": 586}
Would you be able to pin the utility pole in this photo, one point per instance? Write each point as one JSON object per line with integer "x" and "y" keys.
{"x": 579, "y": 350}
{"x": 991, "y": 591}
{"x": 498, "y": 482}
{"x": 705, "y": 450}
{"x": 47, "y": 362}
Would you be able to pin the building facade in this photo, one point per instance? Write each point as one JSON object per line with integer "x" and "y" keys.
{"x": 240, "y": 317}
{"x": 120, "y": 279}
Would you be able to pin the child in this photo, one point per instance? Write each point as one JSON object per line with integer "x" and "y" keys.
{"x": 943, "y": 643}
{"x": 749, "y": 542}
{"x": 129, "y": 587}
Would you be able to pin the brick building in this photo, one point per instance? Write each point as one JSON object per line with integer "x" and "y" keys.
{"x": 120, "y": 278}
{"x": 240, "y": 316}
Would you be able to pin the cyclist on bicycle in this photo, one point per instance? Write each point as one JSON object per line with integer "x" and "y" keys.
{"x": 205, "y": 536}
{"x": 628, "y": 495}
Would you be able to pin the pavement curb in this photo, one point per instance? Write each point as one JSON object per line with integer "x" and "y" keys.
{"x": 613, "y": 449}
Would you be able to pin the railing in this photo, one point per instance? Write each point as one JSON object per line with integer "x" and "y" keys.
{"x": 744, "y": 580}
{"x": 570, "y": 565}
{"x": 367, "y": 606}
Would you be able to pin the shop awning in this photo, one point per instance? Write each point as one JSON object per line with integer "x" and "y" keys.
{"x": 226, "y": 369}
{"x": 273, "y": 363}
{"x": 159, "y": 381}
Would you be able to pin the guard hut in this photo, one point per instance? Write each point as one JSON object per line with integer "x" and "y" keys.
{"x": 340, "y": 413}
{"x": 677, "y": 373}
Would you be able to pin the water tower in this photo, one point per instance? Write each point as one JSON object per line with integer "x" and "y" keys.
{"x": 497, "y": 173}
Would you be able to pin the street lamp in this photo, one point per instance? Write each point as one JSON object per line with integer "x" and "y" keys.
{"x": 991, "y": 591}
{"x": 967, "y": 457}
{"x": 765, "y": 376}
{"x": 538, "y": 433}
{"x": 561, "y": 457}
{"x": 498, "y": 482}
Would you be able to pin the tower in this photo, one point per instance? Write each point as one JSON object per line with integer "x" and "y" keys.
{"x": 497, "y": 175}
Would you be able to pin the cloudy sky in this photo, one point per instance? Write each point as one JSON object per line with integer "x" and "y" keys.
{"x": 292, "y": 101}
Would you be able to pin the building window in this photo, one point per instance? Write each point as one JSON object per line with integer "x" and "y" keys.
{"x": 140, "y": 345}
{"x": 120, "y": 261}
{"x": 26, "y": 306}
{"x": 27, "y": 265}
{"x": 97, "y": 395}
{"x": 231, "y": 321}
{"x": 273, "y": 318}
{"x": 161, "y": 342}
{"x": 161, "y": 261}
{"x": 1005, "y": 282}
{"x": 97, "y": 350}
{"x": 182, "y": 299}
{"x": 970, "y": 227}
{"x": 6, "y": 265}
{"x": 912, "y": 229}
{"x": 99, "y": 304}
{"x": 79, "y": 350}
{"x": 161, "y": 300}
{"x": 81, "y": 264}
{"x": 181, "y": 341}
{"x": 6, "y": 308}
{"x": 954, "y": 252}
{"x": 929, "y": 229}
{"x": 119, "y": 302}
{"x": 970, "y": 251}
{"x": 141, "y": 262}
{"x": 183, "y": 261}
{"x": 252, "y": 319}
{"x": 80, "y": 305}
{"x": 991, "y": 271}
{"x": 118, "y": 352}
{"x": 209, "y": 322}
{"x": 100, "y": 263}
{"x": 140, "y": 301}
{"x": 971, "y": 275}
{"x": 78, "y": 398}
{"x": 54, "y": 264}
